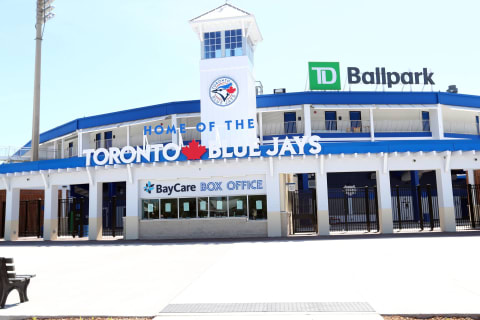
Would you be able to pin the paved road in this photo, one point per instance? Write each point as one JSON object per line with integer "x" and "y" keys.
{"x": 393, "y": 274}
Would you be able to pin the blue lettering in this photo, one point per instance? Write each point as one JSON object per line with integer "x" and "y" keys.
{"x": 228, "y": 122}
{"x": 259, "y": 184}
{"x": 201, "y": 127}
{"x": 203, "y": 186}
{"x": 157, "y": 129}
{"x": 239, "y": 123}
{"x": 251, "y": 124}
{"x": 211, "y": 125}
{"x": 147, "y": 130}
{"x": 218, "y": 186}
{"x": 183, "y": 129}
{"x": 171, "y": 129}
{"x": 231, "y": 185}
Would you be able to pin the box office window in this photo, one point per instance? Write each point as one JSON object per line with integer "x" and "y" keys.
{"x": 169, "y": 209}
{"x": 203, "y": 207}
{"x": 150, "y": 209}
{"x": 218, "y": 207}
{"x": 237, "y": 206}
{"x": 257, "y": 207}
{"x": 187, "y": 208}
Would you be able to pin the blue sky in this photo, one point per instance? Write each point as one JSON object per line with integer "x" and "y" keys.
{"x": 108, "y": 55}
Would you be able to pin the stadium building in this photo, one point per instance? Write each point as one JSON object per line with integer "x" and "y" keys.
{"x": 241, "y": 163}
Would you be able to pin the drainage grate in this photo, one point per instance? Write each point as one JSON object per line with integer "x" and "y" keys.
{"x": 269, "y": 307}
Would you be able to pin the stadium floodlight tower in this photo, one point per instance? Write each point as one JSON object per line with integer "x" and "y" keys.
{"x": 44, "y": 13}
{"x": 228, "y": 36}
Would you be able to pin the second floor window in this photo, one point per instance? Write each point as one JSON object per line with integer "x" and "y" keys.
{"x": 212, "y": 43}
{"x": 233, "y": 43}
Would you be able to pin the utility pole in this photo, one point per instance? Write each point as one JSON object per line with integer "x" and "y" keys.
{"x": 43, "y": 15}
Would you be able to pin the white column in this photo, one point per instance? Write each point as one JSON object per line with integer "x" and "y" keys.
{"x": 307, "y": 121}
{"x": 322, "y": 203}
{"x": 260, "y": 126}
{"x": 50, "y": 214}
{"x": 132, "y": 218}
{"x": 55, "y": 147}
{"x": 95, "y": 197}
{"x": 12, "y": 211}
{"x": 62, "y": 153}
{"x": 174, "y": 123}
{"x": 372, "y": 126}
{"x": 274, "y": 223}
{"x": 446, "y": 208}
{"x": 471, "y": 176}
{"x": 128, "y": 135}
{"x": 436, "y": 122}
{"x": 79, "y": 143}
{"x": 384, "y": 202}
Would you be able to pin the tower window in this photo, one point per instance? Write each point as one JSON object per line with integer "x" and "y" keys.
{"x": 212, "y": 44}
{"x": 233, "y": 43}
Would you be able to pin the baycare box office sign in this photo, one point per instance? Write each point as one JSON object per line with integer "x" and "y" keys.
{"x": 222, "y": 186}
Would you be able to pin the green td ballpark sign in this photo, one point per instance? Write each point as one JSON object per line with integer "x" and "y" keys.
{"x": 326, "y": 76}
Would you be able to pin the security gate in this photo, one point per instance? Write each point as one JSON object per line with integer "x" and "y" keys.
{"x": 2, "y": 219}
{"x": 353, "y": 209}
{"x": 30, "y": 222}
{"x": 112, "y": 216}
{"x": 415, "y": 208}
{"x": 73, "y": 217}
{"x": 304, "y": 211}
{"x": 467, "y": 206}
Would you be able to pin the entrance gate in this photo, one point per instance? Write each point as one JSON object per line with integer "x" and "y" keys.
{"x": 467, "y": 206}
{"x": 30, "y": 222}
{"x": 72, "y": 217}
{"x": 304, "y": 211}
{"x": 353, "y": 209}
{"x": 415, "y": 208}
{"x": 2, "y": 219}
{"x": 112, "y": 214}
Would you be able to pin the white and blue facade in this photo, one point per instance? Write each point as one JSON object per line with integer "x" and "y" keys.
{"x": 333, "y": 140}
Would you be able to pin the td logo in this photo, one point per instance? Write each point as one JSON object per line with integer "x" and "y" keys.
{"x": 324, "y": 75}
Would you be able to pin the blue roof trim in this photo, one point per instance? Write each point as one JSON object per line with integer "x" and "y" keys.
{"x": 265, "y": 101}
{"x": 328, "y": 147}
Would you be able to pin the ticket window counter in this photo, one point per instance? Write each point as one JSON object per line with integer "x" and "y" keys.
{"x": 169, "y": 209}
{"x": 151, "y": 209}
{"x": 258, "y": 207}
{"x": 237, "y": 206}
{"x": 203, "y": 207}
{"x": 218, "y": 207}
{"x": 187, "y": 208}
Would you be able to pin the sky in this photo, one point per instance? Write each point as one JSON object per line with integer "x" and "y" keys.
{"x": 101, "y": 56}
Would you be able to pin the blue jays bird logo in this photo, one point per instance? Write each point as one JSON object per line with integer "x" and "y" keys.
{"x": 148, "y": 187}
{"x": 223, "y": 91}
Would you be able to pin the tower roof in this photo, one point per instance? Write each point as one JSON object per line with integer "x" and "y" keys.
{"x": 227, "y": 17}
{"x": 224, "y": 11}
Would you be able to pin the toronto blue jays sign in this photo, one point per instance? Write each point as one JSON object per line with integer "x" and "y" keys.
{"x": 223, "y": 91}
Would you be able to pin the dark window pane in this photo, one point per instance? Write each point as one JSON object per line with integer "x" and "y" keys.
{"x": 188, "y": 208}
{"x": 150, "y": 209}
{"x": 202, "y": 207}
{"x": 206, "y": 35}
{"x": 258, "y": 207}
{"x": 218, "y": 207}
{"x": 237, "y": 206}
{"x": 227, "y": 33}
{"x": 168, "y": 209}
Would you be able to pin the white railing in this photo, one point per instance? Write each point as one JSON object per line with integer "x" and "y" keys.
{"x": 341, "y": 126}
{"x": 283, "y": 128}
{"x": 402, "y": 125}
{"x": 460, "y": 127}
{"x": 15, "y": 154}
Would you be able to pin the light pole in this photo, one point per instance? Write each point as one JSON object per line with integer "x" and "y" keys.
{"x": 44, "y": 13}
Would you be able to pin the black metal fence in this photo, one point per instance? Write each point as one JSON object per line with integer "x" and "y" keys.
{"x": 2, "y": 219}
{"x": 30, "y": 222}
{"x": 304, "y": 211}
{"x": 353, "y": 209}
{"x": 466, "y": 200}
{"x": 114, "y": 210}
{"x": 415, "y": 208}
{"x": 73, "y": 217}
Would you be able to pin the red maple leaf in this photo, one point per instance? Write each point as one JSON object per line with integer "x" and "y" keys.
{"x": 194, "y": 150}
{"x": 231, "y": 90}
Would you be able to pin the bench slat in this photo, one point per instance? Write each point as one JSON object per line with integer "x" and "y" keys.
{"x": 8, "y": 260}
{"x": 11, "y": 275}
{"x": 10, "y": 268}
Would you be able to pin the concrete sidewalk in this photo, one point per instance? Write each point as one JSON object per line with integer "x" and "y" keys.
{"x": 395, "y": 275}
